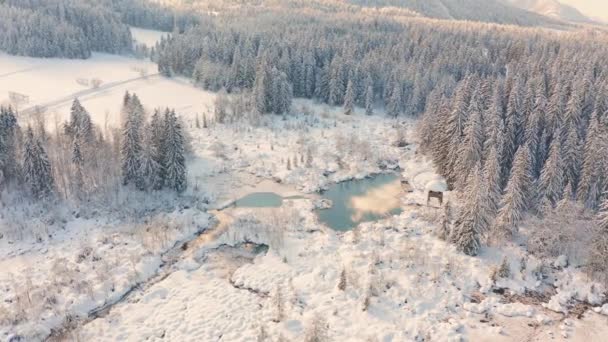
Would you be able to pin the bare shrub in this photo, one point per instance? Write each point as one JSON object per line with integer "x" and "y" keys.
{"x": 279, "y": 304}
{"x": 562, "y": 231}
{"x": 317, "y": 330}
{"x": 342, "y": 282}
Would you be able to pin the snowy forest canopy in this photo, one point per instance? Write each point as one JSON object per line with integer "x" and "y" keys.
{"x": 75, "y": 28}
{"x": 388, "y": 63}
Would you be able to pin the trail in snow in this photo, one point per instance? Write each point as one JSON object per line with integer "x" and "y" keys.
{"x": 18, "y": 72}
{"x": 85, "y": 93}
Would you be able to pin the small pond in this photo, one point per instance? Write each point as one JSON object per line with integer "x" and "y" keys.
{"x": 260, "y": 200}
{"x": 354, "y": 201}
{"x": 364, "y": 200}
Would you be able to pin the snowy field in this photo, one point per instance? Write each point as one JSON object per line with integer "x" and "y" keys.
{"x": 58, "y": 81}
{"x": 402, "y": 282}
{"x": 148, "y": 37}
{"x": 57, "y": 84}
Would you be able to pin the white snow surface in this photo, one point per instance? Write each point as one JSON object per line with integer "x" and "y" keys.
{"x": 56, "y": 85}
{"x": 146, "y": 36}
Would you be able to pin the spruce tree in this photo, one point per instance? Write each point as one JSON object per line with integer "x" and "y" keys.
{"x": 9, "y": 132}
{"x": 156, "y": 140}
{"x": 149, "y": 171}
{"x": 37, "y": 168}
{"x": 572, "y": 151}
{"x": 131, "y": 145}
{"x": 471, "y": 148}
{"x": 349, "y": 98}
{"x": 551, "y": 182}
{"x": 598, "y": 256}
{"x": 174, "y": 158}
{"x": 474, "y": 219}
{"x": 492, "y": 182}
{"x": 78, "y": 164}
{"x": 369, "y": 100}
{"x": 393, "y": 108}
{"x": 517, "y": 194}
{"x": 595, "y": 164}
{"x": 454, "y": 129}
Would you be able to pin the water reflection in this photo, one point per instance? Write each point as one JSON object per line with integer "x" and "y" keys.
{"x": 363, "y": 200}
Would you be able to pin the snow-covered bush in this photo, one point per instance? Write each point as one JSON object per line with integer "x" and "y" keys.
{"x": 565, "y": 230}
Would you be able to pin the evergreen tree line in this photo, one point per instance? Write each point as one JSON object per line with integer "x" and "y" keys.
{"x": 78, "y": 162}
{"x": 152, "y": 154}
{"x": 27, "y": 33}
{"x": 520, "y": 144}
{"x": 75, "y": 28}
{"x": 389, "y": 64}
{"x": 61, "y": 28}
{"x": 154, "y": 16}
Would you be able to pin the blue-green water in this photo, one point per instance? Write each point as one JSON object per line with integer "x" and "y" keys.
{"x": 354, "y": 201}
{"x": 378, "y": 194}
{"x": 260, "y": 200}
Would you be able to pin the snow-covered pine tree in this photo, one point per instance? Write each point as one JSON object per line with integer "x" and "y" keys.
{"x": 149, "y": 169}
{"x": 78, "y": 165}
{"x": 369, "y": 100}
{"x": 551, "y": 181}
{"x": 517, "y": 194}
{"x": 336, "y": 83}
{"x": 473, "y": 220}
{"x": 131, "y": 144}
{"x": 571, "y": 157}
{"x": 369, "y": 95}
{"x": 175, "y": 159}
{"x": 156, "y": 140}
{"x": 37, "y": 168}
{"x": 440, "y": 146}
{"x": 534, "y": 132}
{"x": 393, "y": 107}
{"x": 349, "y": 98}
{"x": 284, "y": 95}
{"x": 427, "y": 125}
{"x": 9, "y": 132}
{"x": 595, "y": 164}
{"x": 492, "y": 182}
{"x": 80, "y": 124}
{"x": 598, "y": 258}
{"x": 76, "y": 110}
{"x": 471, "y": 148}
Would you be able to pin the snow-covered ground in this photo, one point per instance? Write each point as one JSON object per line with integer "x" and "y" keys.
{"x": 147, "y": 37}
{"x": 419, "y": 287}
{"x": 53, "y": 84}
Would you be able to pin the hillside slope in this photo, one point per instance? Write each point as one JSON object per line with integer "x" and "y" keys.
{"x": 551, "y": 8}
{"x": 476, "y": 10}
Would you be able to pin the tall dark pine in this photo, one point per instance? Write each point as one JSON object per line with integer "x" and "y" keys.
{"x": 36, "y": 167}
{"x": 517, "y": 194}
{"x": 157, "y": 142}
{"x": 175, "y": 161}
{"x": 9, "y": 168}
{"x": 474, "y": 218}
{"x": 78, "y": 163}
{"x": 149, "y": 167}
{"x": 80, "y": 123}
{"x": 131, "y": 144}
